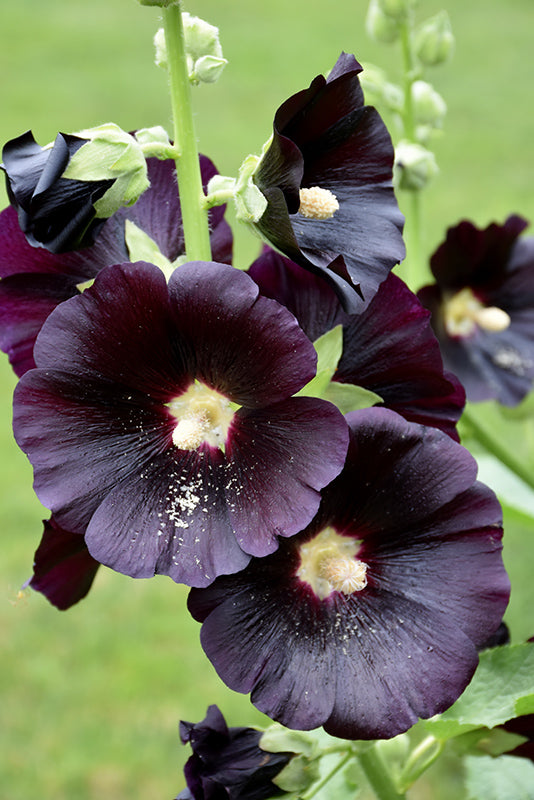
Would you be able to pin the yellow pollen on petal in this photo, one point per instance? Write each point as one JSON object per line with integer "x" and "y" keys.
{"x": 203, "y": 415}
{"x": 317, "y": 203}
{"x": 328, "y": 564}
{"x": 463, "y": 313}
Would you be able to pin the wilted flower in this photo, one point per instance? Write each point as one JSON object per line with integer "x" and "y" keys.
{"x": 389, "y": 348}
{"x": 327, "y": 177}
{"x": 482, "y": 308}
{"x": 160, "y": 421}
{"x": 34, "y": 280}
{"x": 371, "y": 617}
{"x": 228, "y": 763}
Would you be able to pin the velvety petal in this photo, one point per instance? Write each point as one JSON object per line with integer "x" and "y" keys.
{"x": 368, "y": 664}
{"x": 276, "y": 468}
{"x": 26, "y": 300}
{"x": 170, "y": 517}
{"x": 389, "y": 348}
{"x": 63, "y": 569}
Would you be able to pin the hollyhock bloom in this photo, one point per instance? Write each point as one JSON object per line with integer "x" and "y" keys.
{"x": 482, "y": 308}
{"x": 371, "y": 617}
{"x": 161, "y": 424}
{"x": 227, "y": 763}
{"x": 34, "y": 280}
{"x": 327, "y": 179}
{"x": 63, "y": 568}
{"x": 389, "y": 348}
{"x": 54, "y": 212}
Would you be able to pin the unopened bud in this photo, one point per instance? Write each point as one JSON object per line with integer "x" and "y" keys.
{"x": 414, "y": 167}
{"x": 434, "y": 40}
{"x": 396, "y": 9}
{"x": 203, "y": 48}
{"x": 379, "y": 26}
{"x": 429, "y": 106}
{"x": 379, "y": 91}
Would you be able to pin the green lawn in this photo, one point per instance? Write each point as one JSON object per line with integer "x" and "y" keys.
{"x": 91, "y": 698}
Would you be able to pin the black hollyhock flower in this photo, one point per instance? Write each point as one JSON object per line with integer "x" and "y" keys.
{"x": 54, "y": 212}
{"x": 160, "y": 421}
{"x": 482, "y": 308}
{"x": 371, "y": 617}
{"x": 34, "y": 280}
{"x": 63, "y": 568}
{"x": 327, "y": 180}
{"x": 227, "y": 763}
{"x": 389, "y": 348}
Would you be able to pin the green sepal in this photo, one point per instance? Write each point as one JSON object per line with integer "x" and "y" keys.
{"x": 349, "y": 397}
{"x": 502, "y": 688}
{"x": 141, "y": 247}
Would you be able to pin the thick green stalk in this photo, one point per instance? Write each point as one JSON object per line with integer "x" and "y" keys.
{"x": 485, "y": 434}
{"x": 194, "y": 213}
{"x": 377, "y": 773}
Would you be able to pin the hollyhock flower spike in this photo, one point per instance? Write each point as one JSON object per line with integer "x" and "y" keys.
{"x": 327, "y": 177}
{"x": 371, "y": 617}
{"x": 389, "y": 348}
{"x": 482, "y": 308}
{"x": 228, "y": 762}
{"x": 34, "y": 280}
{"x": 160, "y": 421}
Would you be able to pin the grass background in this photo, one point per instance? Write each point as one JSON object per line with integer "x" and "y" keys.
{"x": 90, "y": 699}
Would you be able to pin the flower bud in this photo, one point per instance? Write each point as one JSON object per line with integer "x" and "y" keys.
{"x": 379, "y": 26}
{"x": 379, "y": 91}
{"x": 204, "y": 52}
{"x": 160, "y": 3}
{"x": 414, "y": 167}
{"x": 429, "y": 106}
{"x": 396, "y": 9}
{"x": 434, "y": 40}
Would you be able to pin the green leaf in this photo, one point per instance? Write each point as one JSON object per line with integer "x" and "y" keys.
{"x": 502, "y": 688}
{"x": 328, "y": 347}
{"x": 141, "y": 247}
{"x": 298, "y": 775}
{"x": 348, "y": 397}
{"x": 502, "y": 778}
{"x": 277, "y": 739}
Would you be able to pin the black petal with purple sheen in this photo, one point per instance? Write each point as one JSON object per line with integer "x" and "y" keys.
{"x": 227, "y": 763}
{"x": 498, "y": 267}
{"x": 54, "y": 212}
{"x": 368, "y": 664}
{"x": 389, "y": 348}
{"x": 63, "y": 569}
{"x": 324, "y": 136}
{"x": 94, "y": 421}
{"x": 34, "y": 280}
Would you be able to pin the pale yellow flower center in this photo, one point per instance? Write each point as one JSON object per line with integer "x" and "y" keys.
{"x": 328, "y": 564}
{"x": 463, "y": 312}
{"x": 317, "y": 203}
{"x": 203, "y": 415}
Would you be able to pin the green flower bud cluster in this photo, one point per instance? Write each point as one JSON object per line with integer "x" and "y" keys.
{"x": 205, "y": 61}
{"x": 385, "y": 17}
{"x": 434, "y": 40}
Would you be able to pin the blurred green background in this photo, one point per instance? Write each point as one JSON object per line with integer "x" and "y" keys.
{"x": 90, "y": 699}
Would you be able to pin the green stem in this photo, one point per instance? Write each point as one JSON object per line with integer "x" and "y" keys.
{"x": 421, "y": 758}
{"x": 194, "y": 213}
{"x": 485, "y": 434}
{"x": 317, "y": 787}
{"x": 378, "y": 775}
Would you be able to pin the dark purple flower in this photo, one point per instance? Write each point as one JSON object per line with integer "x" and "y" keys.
{"x": 371, "y": 617}
{"x": 63, "y": 568}
{"x": 161, "y": 424}
{"x": 389, "y": 348}
{"x": 34, "y": 280}
{"x": 54, "y": 212}
{"x": 327, "y": 179}
{"x": 522, "y": 726}
{"x": 482, "y": 308}
{"x": 227, "y": 763}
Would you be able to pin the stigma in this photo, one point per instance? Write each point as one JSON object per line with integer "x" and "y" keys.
{"x": 203, "y": 415}
{"x": 328, "y": 564}
{"x": 317, "y": 203}
{"x": 463, "y": 313}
